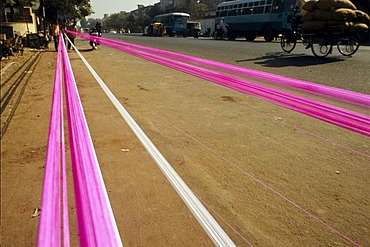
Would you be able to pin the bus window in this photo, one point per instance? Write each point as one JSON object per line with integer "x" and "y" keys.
{"x": 232, "y": 12}
{"x": 235, "y": 6}
{"x": 258, "y": 10}
{"x": 262, "y": 3}
{"x": 268, "y": 9}
{"x": 247, "y": 11}
{"x": 269, "y": 2}
{"x": 180, "y": 19}
{"x": 223, "y": 7}
{"x": 256, "y": 3}
{"x": 240, "y": 6}
{"x": 250, "y": 4}
{"x": 223, "y": 13}
{"x": 217, "y": 14}
{"x": 276, "y": 5}
{"x": 245, "y": 5}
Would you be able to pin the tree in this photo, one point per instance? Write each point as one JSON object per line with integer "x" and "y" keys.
{"x": 196, "y": 8}
{"x": 90, "y": 23}
{"x": 9, "y": 3}
{"x": 72, "y": 10}
{"x": 130, "y": 21}
{"x": 116, "y": 21}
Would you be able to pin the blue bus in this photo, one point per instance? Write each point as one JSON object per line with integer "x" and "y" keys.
{"x": 249, "y": 18}
{"x": 174, "y": 23}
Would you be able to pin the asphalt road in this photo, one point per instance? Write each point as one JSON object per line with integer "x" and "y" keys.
{"x": 350, "y": 73}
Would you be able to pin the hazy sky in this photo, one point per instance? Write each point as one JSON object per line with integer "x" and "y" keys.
{"x": 101, "y": 7}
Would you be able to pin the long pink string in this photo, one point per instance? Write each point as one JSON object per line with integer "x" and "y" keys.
{"x": 341, "y": 117}
{"x": 305, "y": 85}
{"x": 286, "y": 81}
{"x": 95, "y": 220}
{"x": 49, "y": 225}
{"x": 118, "y": 45}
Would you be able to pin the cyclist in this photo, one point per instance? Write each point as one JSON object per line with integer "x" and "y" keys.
{"x": 297, "y": 19}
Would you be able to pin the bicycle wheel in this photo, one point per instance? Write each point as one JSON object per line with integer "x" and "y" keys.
{"x": 288, "y": 42}
{"x": 321, "y": 45}
{"x": 348, "y": 45}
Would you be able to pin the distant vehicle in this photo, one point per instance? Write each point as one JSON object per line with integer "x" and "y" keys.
{"x": 192, "y": 29}
{"x": 174, "y": 23}
{"x": 155, "y": 29}
{"x": 112, "y": 31}
{"x": 146, "y": 31}
{"x": 93, "y": 42}
{"x": 249, "y": 18}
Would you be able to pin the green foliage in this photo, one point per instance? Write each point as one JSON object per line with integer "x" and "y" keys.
{"x": 20, "y": 3}
{"x": 115, "y": 21}
{"x": 73, "y": 10}
{"x": 89, "y": 23}
{"x": 9, "y": 3}
{"x": 195, "y": 8}
{"x": 133, "y": 21}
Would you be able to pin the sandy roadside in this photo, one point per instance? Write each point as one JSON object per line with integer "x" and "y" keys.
{"x": 190, "y": 120}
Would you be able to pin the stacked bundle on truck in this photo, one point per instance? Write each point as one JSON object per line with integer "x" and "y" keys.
{"x": 340, "y": 15}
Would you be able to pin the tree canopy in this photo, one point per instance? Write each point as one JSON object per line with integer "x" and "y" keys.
{"x": 134, "y": 22}
{"x": 15, "y": 3}
{"x": 73, "y": 10}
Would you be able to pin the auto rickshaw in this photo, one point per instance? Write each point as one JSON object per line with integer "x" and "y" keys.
{"x": 158, "y": 29}
{"x": 192, "y": 29}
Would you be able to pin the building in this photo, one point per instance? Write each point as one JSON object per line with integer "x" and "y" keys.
{"x": 18, "y": 21}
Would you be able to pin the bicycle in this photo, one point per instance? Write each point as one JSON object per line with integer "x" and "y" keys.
{"x": 320, "y": 40}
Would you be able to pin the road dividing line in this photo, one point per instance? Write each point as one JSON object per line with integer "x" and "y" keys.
{"x": 209, "y": 224}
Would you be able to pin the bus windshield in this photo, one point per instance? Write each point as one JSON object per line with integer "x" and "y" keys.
{"x": 180, "y": 19}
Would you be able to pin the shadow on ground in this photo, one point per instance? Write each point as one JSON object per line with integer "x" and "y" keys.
{"x": 282, "y": 59}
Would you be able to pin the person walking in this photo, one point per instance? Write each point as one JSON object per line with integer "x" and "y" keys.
{"x": 55, "y": 32}
{"x": 223, "y": 25}
{"x": 71, "y": 36}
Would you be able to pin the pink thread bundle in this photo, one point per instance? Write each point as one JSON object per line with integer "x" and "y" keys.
{"x": 95, "y": 221}
{"x": 50, "y": 221}
{"x": 347, "y": 119}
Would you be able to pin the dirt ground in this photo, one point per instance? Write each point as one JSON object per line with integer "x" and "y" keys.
{"x": 268, "y": 175}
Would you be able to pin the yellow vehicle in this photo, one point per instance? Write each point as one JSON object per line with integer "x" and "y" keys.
{"x": 155, "y": 29}
{"x": 192, "y": 29}
{"x": 158, "y": 29}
